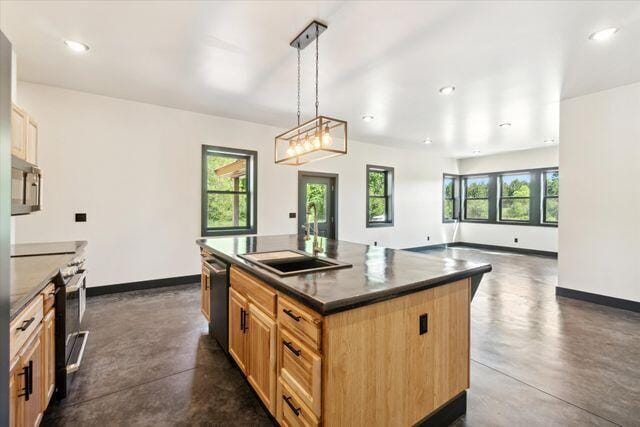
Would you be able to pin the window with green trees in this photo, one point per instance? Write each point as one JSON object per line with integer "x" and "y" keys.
{"x": 379, "y": 196}
{"x": 551, "y": 197}
{"x": 228, "y": 191}
{"x": 449, "y": 198}
{"x": 515, "y": 197}
{"x": 476, "y": 198}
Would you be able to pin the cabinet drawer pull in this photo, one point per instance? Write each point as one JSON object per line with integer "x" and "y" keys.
{"x": 292, "y": 348}
{"x": 293, "y": 408}
{"x": 290, "y": 314}
{"x": 25, "y": 325}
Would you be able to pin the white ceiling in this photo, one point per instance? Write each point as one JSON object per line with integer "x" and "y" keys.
{"x": 510, "y": 61}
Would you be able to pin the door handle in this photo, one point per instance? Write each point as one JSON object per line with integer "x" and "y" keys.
{"x": 291, "y": 347}
{"x": 293, "y": 408}
{"x": 242, "y": 319}
{"x": 246, "y": 328}
{"x": 25, "y": 373}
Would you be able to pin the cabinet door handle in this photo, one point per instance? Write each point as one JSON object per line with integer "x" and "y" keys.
{"x": 30, "y": 377}
{"x": 25, "y": 373}
{"x": 290, "y": 314}
{"x": 25, "y": 325}
{"x": 246, "y": 327}
{"x": 292, "y": 348}
{"x": 293, "y": 408}
{"x": 242, "y": 319}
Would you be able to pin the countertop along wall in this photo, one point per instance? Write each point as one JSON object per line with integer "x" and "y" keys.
{"x": 529, "y": 237}
{"x": 134, "y": 168}
{"x": 600, "y": 207}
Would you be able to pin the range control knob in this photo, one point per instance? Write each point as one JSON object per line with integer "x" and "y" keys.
{"x": 68, "y": 272}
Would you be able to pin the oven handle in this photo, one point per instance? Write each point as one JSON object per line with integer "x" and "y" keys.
{"x": 212, "y": 263}
{"x": 76, "y": 282}
{"x": 75, "y": 366}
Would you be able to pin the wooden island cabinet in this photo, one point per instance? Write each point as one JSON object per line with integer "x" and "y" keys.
{"x": 389, "y": 363}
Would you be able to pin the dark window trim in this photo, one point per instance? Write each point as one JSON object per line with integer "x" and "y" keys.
{"x": 388, "y": 191}
{"x": 545, "y": 197}
{"x": 455, "y": 197}
{"x": 535, "y": 212}
{"x": 501, "y": 197}
{"x": 252, "y": 191}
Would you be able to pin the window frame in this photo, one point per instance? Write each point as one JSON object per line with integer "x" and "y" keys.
{"x": 465, "y": 179}
{"x": 454, "y": 197}
{"x": 536, "y": 212}
{"x": 251, "y": 193}
{"x": 501, "y": 197}
{"x": 389, "y": 178}
{"x": 543, "y": 215}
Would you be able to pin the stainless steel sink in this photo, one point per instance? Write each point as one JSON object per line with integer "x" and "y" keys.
{"x": 290, "y": 263}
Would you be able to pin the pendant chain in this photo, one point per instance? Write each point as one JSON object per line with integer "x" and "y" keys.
{"x": 299, "y": 114}
{"x": 317, "y": 56}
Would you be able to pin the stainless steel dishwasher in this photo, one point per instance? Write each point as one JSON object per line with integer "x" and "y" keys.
{"x": 219, "y": 303}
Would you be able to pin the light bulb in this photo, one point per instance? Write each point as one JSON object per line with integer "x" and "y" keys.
{"x": 316, "y": 139}
{"x": 327, "y": 140}
{"x": 290, "y": 151}
{"x": 307, "y": 145}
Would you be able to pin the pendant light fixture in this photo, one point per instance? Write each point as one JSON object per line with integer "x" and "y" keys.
{"x": 319, "y": 138}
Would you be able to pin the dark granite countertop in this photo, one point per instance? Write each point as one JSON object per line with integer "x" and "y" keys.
{"x": 31, "y": 271}
{"x": 377, "y": 274}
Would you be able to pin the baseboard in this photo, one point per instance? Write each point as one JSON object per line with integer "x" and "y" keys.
{"x": 146, "y": 284}
{"x": 448, "y": 413}
{"x": 623, "y": 304}
{"x": 486, "y": 247}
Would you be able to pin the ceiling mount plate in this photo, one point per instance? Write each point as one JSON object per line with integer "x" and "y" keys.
{"x": 308, "y": 35}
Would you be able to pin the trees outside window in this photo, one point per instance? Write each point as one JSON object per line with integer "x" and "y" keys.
{"x": 449, "y": 198}
{"x": 476, "y": 198}
{"x": 379, "y": 196}
{"x": 228, "y": 191}
{"x": 515, "y": 197}
{"x": 550, "y": 202}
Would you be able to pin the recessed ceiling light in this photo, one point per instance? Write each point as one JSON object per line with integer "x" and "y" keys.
{"x": 549, "y": 141}
{"x": 476, "y": 152}
{"x": 367, "y": 117}
{"x": 427, "y": 141}
{"x": 604, "y": 34}
{"x": 447, "y": 90}
{"x": 505, "y": 125}
{"x": 76, "y": 46}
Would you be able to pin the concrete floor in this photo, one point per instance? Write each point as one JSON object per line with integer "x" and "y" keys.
{"x": 537, "y": 360}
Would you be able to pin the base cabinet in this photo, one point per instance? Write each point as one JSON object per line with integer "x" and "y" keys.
{"x": 49, "y": 357}
{"x": 30, "y": 397}
{"x": 205, "y": 293}
{"x": 237, "y": 330}
{"x": 261, "y": 355}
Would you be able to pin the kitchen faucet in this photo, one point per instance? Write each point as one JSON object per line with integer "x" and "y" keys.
{"x": 317, "y": 246}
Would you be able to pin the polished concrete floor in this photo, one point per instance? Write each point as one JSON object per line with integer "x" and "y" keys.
{"x": 537, "y": 360}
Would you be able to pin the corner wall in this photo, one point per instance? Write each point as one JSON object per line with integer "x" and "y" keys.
{"x": 134, "y": 168}
{"x": 600, "y": 208}
{"x": 529, "y": 237}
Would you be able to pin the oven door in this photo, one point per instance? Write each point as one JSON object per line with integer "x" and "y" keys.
{"x": 72, "y": 313}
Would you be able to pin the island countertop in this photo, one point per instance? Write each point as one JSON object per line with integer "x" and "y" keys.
{"x": 377, "y": 273}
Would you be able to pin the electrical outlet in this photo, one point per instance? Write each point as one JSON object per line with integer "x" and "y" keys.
{"x": 428, "y": 238}
{"x": 375, "y": 243}
{"x": 292, "y": 214}
{"x": 81, "y": 217}
{"x": 515, "y": 240}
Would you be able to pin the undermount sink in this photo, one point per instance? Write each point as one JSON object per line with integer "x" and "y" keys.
{"x": 289, "y": 263}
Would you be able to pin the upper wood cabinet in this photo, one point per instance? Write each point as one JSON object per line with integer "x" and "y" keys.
{"x": 205, "y": 293}
{"x": 24, "y": 135}
{"x": 261, "y": 364}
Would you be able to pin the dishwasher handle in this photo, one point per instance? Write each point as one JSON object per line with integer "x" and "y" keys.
{"x": 214, "y": 266}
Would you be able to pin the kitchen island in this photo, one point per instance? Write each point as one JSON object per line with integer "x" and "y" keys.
{"x": 383, "y": 340}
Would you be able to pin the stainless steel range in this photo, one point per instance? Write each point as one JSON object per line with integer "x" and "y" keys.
{"x": 71, "y": 291}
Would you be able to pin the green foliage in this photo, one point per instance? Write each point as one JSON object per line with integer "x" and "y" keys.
{"x": 477, "y": 209}
{"x": 376, "y": 183}
{"x": 448, "y": 209}
{"x": 377, "y": 209}
{"x": 225, "y": 210}
{"x": 317, "y": 193}
{"x": 551, "y": 210}
{"x": 553, "y": 183}
{"x": 515, "y": 209}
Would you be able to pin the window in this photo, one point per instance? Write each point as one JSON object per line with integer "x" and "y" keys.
{"x": 449, "y": 211}
{"x": 550, "y": 196}
{"x": 228, "y": 191}
{"x": 379, "y": 196}
{"x": 515, "y": 197}
{"x": 476, "y": 198}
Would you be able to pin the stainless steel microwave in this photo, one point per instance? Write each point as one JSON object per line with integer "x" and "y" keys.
{"x": 26, "y": 187}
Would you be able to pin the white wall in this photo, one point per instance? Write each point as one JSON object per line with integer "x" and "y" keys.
{"x": 529, "y": 237}
{"x": 134, "y": 168}
{"x": 600, "y": 209}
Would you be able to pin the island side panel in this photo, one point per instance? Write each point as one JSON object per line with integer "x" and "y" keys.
{"x": 379, "y": 370}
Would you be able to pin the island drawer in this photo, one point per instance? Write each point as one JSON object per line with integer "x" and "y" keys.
{"x": 23, "y": 326}
{"x": 291, "y": 411}
{"x": 49, "y": 297}
{"x": 301, "y": 369}
{"x": 300, "y": 320}
{"x": 253, "y": 288}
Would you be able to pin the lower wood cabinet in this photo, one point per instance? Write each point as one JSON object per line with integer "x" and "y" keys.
{"x": 16, "y": 392}
{"x": 237, "y": 331}
{"x": 205, "y": 293}
{"x": 261, "y": 355}
{"x": 30, "y": 384}
{"x": 291, "y": 411}
{"x": 49, "y": 356}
